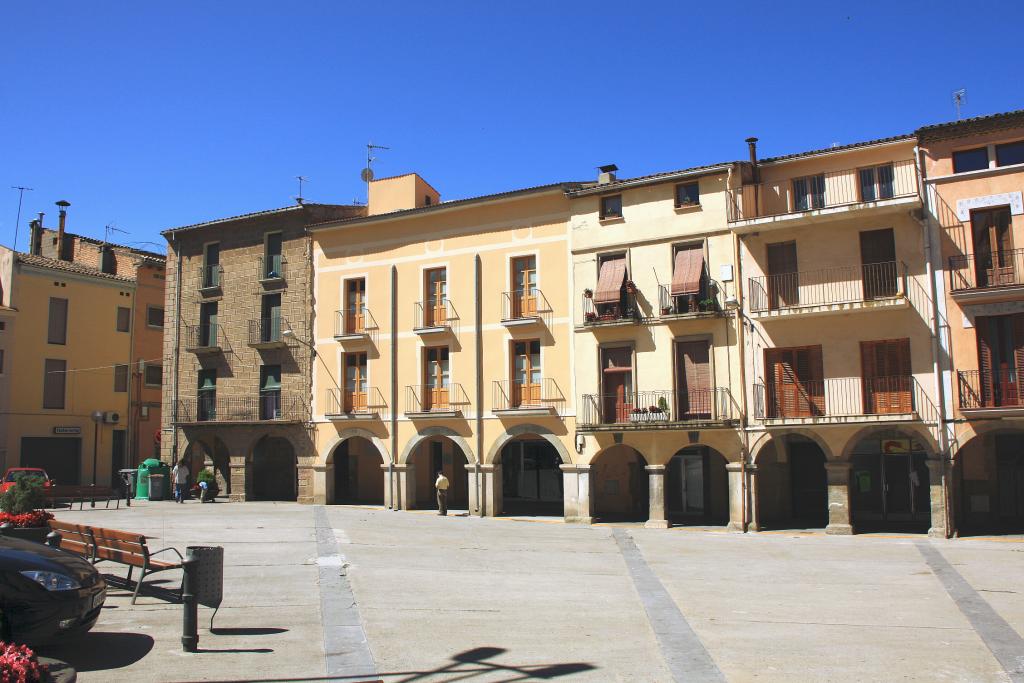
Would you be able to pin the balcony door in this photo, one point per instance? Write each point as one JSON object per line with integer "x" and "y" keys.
{"x": 208, "y": 324}
{"x": 1000, "y": 359}
{"x": 885, "y": 369}
{"x": 206, "y": 408}
{"x": 435, "y": 285}
{"x": 878, "y": 263}
{"x": 526, "y": 373}
{"x": 809, "y": 192}
{"x": 270, "y": 392}
{"x": 355, "y": 382}
{"x": 693, "y": 380}
{"x": 524, "y": 287}
{"x": 436, "y": 378}
{"x": 783, "y": 280}
{"x": 993, "y": 247}
{"x": 270, "y": 324}
{"x": 794, "y": 382}
{"x": 617, "y": 383}
{"x": 355, "y": 306}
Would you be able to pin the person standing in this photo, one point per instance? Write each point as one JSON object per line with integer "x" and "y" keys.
{"x": 442, "y": 494}
{"x": 180, "y": 475}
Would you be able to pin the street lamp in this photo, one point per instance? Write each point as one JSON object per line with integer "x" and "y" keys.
{"x": 97, "y": 417}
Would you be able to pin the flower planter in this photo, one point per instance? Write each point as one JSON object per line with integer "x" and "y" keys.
{"x": 30, "y": 533}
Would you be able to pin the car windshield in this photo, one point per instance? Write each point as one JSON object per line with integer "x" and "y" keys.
{"x": 13, "y": 476}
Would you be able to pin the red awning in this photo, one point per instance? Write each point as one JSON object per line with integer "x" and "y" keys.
{"x": 688, "y": 269}
{"x": 609, "y": 282}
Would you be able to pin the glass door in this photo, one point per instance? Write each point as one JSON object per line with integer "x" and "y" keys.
{"x": 436, "y": 285}
{"x": 617, "y": 384}
{"x": 524, "y": 287}
{"x": 436, "y": 377}
{"x": 355, "y": 306}
{"x": 355, "y": 382}
{"x": 526, "y": 373}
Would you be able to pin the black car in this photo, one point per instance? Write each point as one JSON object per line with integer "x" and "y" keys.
{"x": 46, "y": 593}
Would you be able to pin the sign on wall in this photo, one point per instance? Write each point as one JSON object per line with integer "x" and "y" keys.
{"x": 67, "y": 430}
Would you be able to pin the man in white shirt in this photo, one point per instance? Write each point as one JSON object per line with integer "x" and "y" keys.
{"x": 179, "y": 475}
{"x": 442, "y": 494}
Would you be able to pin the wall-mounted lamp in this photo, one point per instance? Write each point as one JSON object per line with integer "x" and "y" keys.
{"x": 580, "y": 444}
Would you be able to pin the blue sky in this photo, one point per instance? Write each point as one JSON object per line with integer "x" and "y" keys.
{"x": 148, "y": 116}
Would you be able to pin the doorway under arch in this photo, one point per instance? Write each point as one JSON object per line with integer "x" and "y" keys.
{"x": 439, "y": 454}
{"x": 531, "y": 480}
{"x": 274, "y": 470}
{"x": 889, "y": 487}
{"x": 621, "y": 489}
{"x": 697, "y": 487}
{"x": 358, "y": 477}
{"x": 990, "y": 480}
{"x": 210, "y": 454}
{"x": 792, "y": 483}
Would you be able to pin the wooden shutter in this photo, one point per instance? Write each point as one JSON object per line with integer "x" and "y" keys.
{"x": 693, "y": 383}
{"x": 886, "y": 379}
{"x": 610, "y": 280}
{"x": 795, "y": 384}
{"x": 783, "y": 282}
{"x": 811, "y": 375}
{"x": 57, "y": 332}
{"x": 1018, "y": 358}
{"x": 985, "y": 375}
{"x": 878, "y": 259}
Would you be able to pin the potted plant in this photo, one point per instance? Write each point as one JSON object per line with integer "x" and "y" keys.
{"x": 21, "y": 513}
{"x": 666, "y": 310}
{"x": 655, "y": 414}
{"x": 663, "y": 405}
{"x": 206, "y": 480}
{"x": 636, "y": 415}
{"x": 708, "y": 304}
{"x": 590, "y": 316}
{"x": 588, "y": 293}
{"x": 19, "y": 663}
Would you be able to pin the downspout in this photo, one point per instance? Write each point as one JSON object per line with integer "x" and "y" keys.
{"x": 741, "y": 345}
{"x": 392, "y": 488}
{"x": 478, "y": 293}
{"x": 133, "y": 420}
{"x": 177, "y": 346}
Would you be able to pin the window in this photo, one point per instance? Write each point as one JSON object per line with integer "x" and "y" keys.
{"x": 355, "y": 382}
{"x": 526, "y": 373}
{"x": 154, "y": 375}
{"x": 108, "y": 262}
{"x": 54, "y": 378}
{"x": 1, "y": 361}
{"x": 436, "y": 373}
{"x": 435, "y": 285}
{"x": 270, "y": 392}
{"x": 687, "y": 194}
{"x": 1010, "y": 153}
{"x": 154, "y": 316}
{"x": 124, "y": 319}
{"x": 3, "y": 325}
{"x": 876, "y": 183}
{"x": 610, "y": 299}
{"x": 617, "y": 395}
{"x": 272, "y": 264}
{"x": 611, "y": 206}
{"x": 688, "y": 282}
{"x": 207, "y": 395}
{"x": 120, "y": 378}
{"x": 211, "y": 265}
{"x": 809, "y": 192}
{"x": 355, "y": 306}
{"x": 208, "y": 333}
{"x": 970, "y": 160}
{"x": 270, "y": 323}
{"x": 58, "y": 325}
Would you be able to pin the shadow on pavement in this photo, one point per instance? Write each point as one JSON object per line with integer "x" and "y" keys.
{"x": 247, "y": 631}
{"x": 99, "y": 651}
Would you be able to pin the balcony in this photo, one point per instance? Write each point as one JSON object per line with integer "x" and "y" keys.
{"x": 210, "y": 279}
{"x": 203, "y": 339}
{"x": 353, "y": 325}
{"x": 524, "y": 307}
{"x": 425, "y": 401}
{"x": 990, "y": 394}
{"x": 826, "y": 291}
{"x": 272, "y": 271}
{"x": 516, "y": 398}
{"x": 265, "y": 333}
{"x": 354, "y": 405}
{"x": 263, "y": 407}
{"x": 843, "y": 400}
{"x": 980, "y": 277}
{"x": 435, "y": 317}
{"x": 836, "y": 194}
{"x": 704, "y": 304}
{"x": 622, "y": 312}
{"x": 664, "y": 409}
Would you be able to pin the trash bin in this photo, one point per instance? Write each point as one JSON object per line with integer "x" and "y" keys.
{"x": 209, "y": 585}
{"x": 128, "y": 482}
{"x": 158, "y": 486}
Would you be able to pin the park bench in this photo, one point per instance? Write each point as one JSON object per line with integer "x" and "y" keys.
{"x": 98, "y": 544}
{"x": 70, "y": 493}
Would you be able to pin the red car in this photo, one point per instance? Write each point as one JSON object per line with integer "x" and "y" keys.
{"x": 13, "y": 472}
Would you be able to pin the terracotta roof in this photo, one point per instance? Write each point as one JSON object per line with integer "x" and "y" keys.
{"x": 1009, "y": 119}
{"x": 257, "y": 214}
{"x": 665, "y": 176}
{"x": 69, "y": 267}
{"x": 839, "y": 148}
{"x": 143, "y": 253}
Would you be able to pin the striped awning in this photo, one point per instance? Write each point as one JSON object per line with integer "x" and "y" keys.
{"x": 609, "y": 281}
{"x": 688, "y": 269}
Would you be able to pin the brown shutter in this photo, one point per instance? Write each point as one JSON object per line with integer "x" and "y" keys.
{"x": 901, "y": 352}
{"x": 694, "y": 383}
{"x": 609, "y": 281}
{"x": 686, "y": 275}
{"x": 869, "y": 374}
{"x": 57, "y": 332}
{"x": 812, "y": 377}
{"x": 772, "y": 381}
{"x": 985, "y": 362}
{"x": 1018, "y": 357}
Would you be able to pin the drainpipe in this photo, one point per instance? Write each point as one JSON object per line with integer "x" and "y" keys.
{"x": 741, "y": 345}
{"x": 478, "y": 286}
{"x": 177, "y": 347}
{"x": 394, "y": 385}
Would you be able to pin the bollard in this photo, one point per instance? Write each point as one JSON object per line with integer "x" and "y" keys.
{"x": 53, "y": 539}
{"x": 190, "y": 619}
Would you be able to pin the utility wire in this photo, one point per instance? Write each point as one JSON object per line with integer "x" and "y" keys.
{"x": 101, "y": 367}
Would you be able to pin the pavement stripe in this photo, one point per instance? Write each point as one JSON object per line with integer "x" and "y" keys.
{"x": 1005, "y": 643}
{"x": 685, "y": 655}
{"x": 345, "y": 648}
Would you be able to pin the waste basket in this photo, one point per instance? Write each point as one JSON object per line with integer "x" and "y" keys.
{"x": 128, "y": 482}
{"x": 157, "y": 486}
{"x": 209, "y": 585}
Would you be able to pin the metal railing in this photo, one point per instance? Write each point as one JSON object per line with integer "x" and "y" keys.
{"x": 272, "y": 267}
{"x": 1000, "y": 389}
{"x": 703, "y": 301}
{"x": 204, "y": 336}
{"x": 979, "y": 271}
{"x": 839, "y": 285}
{"x": 346, "y": 402}
{"x": 430, "y": 399}
{"x": 211, "y": 277}
{"x": 843, "y": 397}
{"x": 521, "y": 304}
{"x": 824, "y": 190}
{"x": 625, "y": 309}
{"x": 429, "y": 314}
{"x": 658, "y": 408}
{"x": 264, "y": 407}
{"x": 266, "y": 331}
{"x": 354, "y": 321}
{"x": 514, "y": 394}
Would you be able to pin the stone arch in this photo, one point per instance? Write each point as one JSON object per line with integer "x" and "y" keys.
{"x": 987, "y": 480}
{"x": 324, "y": 458}
{"x": 696, "y": 486}
{"x": 861, "y": 434}
{"x": 621, "y": 488}
{"x": 274, "y": 469}
{"x": 429, "y": 432}
{"x": 807, "y": 433}
{"x": 494, "y": 453}
{"x": 216, "y": 450}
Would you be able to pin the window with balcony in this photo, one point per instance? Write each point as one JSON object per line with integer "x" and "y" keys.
{"x": 355, "y": 389}
{"x": 206, "y": 395}
{"x": 1000, "y": 362}
{"x": 270, "y": 318}
{"x": 970, "y": 160}
{"x": 694, "y": 392}
{"x": 355, "y": 306}
{"x": 435, "y": 286}
{"x": 1010, "y": 153}
{"x": 611, "y": 207}
{"x": 436, "y": 378}
{"x": 211, "y": 266}
{"x": 993, "y": 247}
{"x": 57, "y": 327}
{"x": 208, "y": 332}
{"x": 886, "y": 377}
{"x": 878, "y": 264}
{"x": 876, "y": 183}
{"x": 794, "y": 382}
{"x": 689, "y": 281}
{"x": 611, "y": 300}
{"x": 270, "y": 392}
{"x": 272, "y": 264}
{"x": 526, "y": 373}
{"x": 783, "y": 277}
{"x": 809, "y": 192}
{"x": 524, "y": 287}
{"x": 687, "y": 194}
{"x": 616, "y": 384}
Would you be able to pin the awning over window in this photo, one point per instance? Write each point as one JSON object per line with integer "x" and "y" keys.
{"x": 609, "y": 281}
{"x": 689, "y": 267}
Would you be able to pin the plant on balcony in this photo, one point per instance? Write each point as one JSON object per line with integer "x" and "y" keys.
{"x": 637, "y": 415}
{"x": 21, "y": 507}
{"x": 708, "y": 304}
{"x": 630, "y": 287}
{"x": 588, "y": 293}
{"x": 590, "y": 316}
{"x": 666, "y": 310}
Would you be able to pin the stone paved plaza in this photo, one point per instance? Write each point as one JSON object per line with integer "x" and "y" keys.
{"x": 352, "y": 594}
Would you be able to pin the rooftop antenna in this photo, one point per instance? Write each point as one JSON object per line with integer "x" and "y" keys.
{"x": 302, "y": 179}
{"x": 21, "y": 193}
{"x": 959, "y": 99}
{"x": 109, "y": 228}
{"x": 367, "y": 174}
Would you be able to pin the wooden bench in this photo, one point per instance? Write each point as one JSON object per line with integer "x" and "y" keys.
{"x": 60, "y": 493}
{"x": 98, "y": 544}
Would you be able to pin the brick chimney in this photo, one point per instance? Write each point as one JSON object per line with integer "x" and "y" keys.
{"x": 62, "y": 251}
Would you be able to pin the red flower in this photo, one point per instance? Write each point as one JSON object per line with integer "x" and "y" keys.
{"x": 18, "y": 664}
{"x": 36, "y": 518}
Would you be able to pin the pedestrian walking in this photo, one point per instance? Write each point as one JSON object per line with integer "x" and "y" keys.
{"x": 180, "y": 476}
{"x": 442, "y": 494}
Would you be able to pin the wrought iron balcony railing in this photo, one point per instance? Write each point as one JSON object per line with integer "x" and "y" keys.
{"x": 652, "y": 409}
{"x": 263, "y": 407}
{"x": 704, "y": 301}
{"x": 824, "y": 190}
{"x": 423, "y": 399}
{"x": 839, "y": 285}
{"x": 844, "y": 397}
{"x": 510, "y": 395}
{"x": 623, "y": 310}
{"x": 201, "y": 337}
{"x": 272, "y": 268}
{"x": 999, "y": 389}
{"x": 211, "y": 277}
{"x": 429, "y": 315}
{"x": 986, "y": 270}
{"x": 524, "y": 304}
{"x": 267, "y": 332}
{"x": 348, "y": 403}
{"x": 354, "y": 322}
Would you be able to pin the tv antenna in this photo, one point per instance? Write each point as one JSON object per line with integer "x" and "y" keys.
{"x": 367, "y": 174}
{"x": 109, "y": 228}
{"x": 302, "y": 179}
{"x": 21, "y": 193}
{"x": 959, "y": 99}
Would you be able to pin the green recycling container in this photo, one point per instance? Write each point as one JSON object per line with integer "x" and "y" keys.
{"x": 143, "y": 489}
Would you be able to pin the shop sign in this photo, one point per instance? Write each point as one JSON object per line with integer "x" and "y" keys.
{"x": 67, "y": 430}
{"x": 896, "y": 446}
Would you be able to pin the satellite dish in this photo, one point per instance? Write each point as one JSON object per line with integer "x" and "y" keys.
{"x": 366, "y": 174}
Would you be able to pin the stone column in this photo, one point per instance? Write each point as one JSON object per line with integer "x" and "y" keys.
{"x": 305, "y": 481}
{"x": 838, "y": 498}
{"x": 240, "y": 479}
{"x": 753, "y": 499}
{"x": 576, "y": 494}
{"x": 322, "y": 484}
{"x": 492, "y": 498}
{"x": 937, "y": 488}
{"x": 737, "y": 492}
{"x": 656, "y": 482}
{"x": 405, "y": 486}
{"x": 474, "y": 489}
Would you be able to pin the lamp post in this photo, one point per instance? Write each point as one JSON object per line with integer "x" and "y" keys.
{"x": 97, "y": 417}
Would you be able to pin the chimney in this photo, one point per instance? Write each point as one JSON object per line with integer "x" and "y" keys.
{"x": 607, "y": 174}
{"x": 752, "y": 145}
{"x": 63, "y": 216}
{"x": 35, "y": 236}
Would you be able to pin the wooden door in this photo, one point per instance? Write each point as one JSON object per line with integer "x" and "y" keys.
{"x": 435, "y": 380}
{"x": 794, "y": 382}
{"x": 436, "y": 285}
{"x": 617, "y": 384}
{"x": 886, "y": 378}
{"x": 355, "y": 383}
{"x": 993, "y": 247}
{"x": 783, "y": 280}
{"x": 694, "y": 393}
{"x": 878, "y": 263}
{"x": 1000, "y": 359}
{"x": 524, "y": 287}
{"x": 355, "y": 306}
{"x": 526, "y": 374}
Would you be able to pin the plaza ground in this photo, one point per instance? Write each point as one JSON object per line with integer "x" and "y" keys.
{"x": 333, "y": 593}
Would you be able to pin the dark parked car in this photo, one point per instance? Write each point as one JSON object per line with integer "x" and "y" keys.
{"x": 46, "y": 593}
